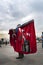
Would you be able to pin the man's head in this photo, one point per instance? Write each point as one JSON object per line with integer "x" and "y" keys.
{"x": 18, "y": 25}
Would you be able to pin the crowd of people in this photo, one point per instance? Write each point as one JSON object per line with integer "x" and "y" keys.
{"x": 3, "y": 41}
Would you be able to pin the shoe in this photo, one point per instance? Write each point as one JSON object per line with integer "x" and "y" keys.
{"x": 19, "y": 57}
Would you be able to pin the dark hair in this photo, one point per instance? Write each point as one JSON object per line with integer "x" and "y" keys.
{"x": 18, "y": 25}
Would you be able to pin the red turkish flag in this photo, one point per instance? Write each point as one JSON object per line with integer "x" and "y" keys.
{"x": 25, "y": 39}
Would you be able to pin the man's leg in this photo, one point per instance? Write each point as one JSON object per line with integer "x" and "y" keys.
{"x": 21, "y": 55}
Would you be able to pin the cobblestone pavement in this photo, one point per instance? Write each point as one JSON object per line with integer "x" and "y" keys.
{"x": 8, "y": 56}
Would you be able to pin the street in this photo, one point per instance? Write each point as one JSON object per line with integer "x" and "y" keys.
{"x": 8, "y": 56}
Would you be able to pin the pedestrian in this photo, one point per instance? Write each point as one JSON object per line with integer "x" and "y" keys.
{"x": 21, "y": 55}
{"x": 0, "y": 43}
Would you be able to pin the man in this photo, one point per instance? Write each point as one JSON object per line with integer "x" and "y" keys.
{"x": 21, "y": 55}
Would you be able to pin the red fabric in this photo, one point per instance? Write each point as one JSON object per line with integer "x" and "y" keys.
{"x": 29, "y": 33}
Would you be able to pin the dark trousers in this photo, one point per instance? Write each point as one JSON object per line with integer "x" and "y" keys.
{"x": 21, "y": 55}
